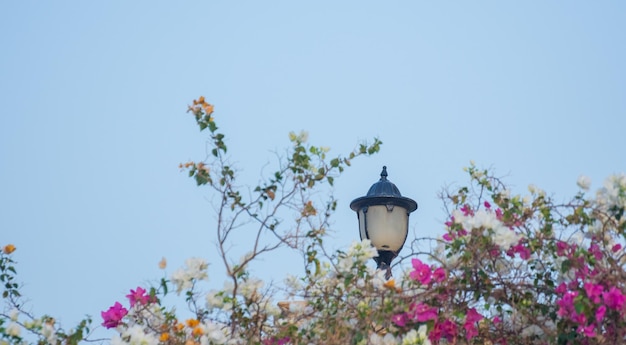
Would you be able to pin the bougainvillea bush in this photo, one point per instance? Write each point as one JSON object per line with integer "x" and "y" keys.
{"x": 508, "y": 269}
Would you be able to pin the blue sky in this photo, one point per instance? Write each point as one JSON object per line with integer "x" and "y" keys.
{"x": 93, "y": 124}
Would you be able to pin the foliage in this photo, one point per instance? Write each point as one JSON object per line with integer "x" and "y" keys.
{"x": 508, "y": 269}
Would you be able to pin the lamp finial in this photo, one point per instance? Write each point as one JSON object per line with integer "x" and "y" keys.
{"x": 383, "y": 175}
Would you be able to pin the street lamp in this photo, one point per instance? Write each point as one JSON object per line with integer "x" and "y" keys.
{"x": 383, "y": 216}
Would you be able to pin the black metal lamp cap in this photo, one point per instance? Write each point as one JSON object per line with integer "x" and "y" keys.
{"x": 384, "y": 192}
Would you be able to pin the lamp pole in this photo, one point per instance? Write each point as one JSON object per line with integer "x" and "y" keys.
{"x": 383, "y": 216}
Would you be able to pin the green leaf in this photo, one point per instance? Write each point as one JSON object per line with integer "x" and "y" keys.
{"x": 579, "y": 306}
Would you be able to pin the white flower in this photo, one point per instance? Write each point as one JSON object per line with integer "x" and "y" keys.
{"x": 388, "y": 339}
{"x": 505, "y": 237}
{"x": 613, "y": 194}
{"x": 502, "y": 236}
{"x": 293, "y": 283}
{"x": 302, "y": 137}
{"x": 344, "y": 265}
{"x": 213, "y": 333}
{"x": 584, "y": 182}
{"x": 195, "y": 269}
{"x": 378, "y": 279}
{"x": 13, "y": 329}
{"x": 48, "y": 332}
{"x": 421, "y": 332}
{"x": 414, "y": 337}
{"x": 137, "y": 336}
{"x": 362, "y": 251}
{"x": 14, "y": 314}
{"x": 250, "y": 287}
{"x": 214, "y": 299}
{"x": 536, "y": 190}
{"x": 506, "y": 193}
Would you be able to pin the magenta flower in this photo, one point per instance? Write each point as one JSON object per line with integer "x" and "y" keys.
{"x": 561, "y": 289}
{"x": 467, "y": 210}
{"x": 561, "y": 247}
{"x": 499, "y": 214}
{"x": 473, "y": 316}
{"x": 566, "y": 304}
{"x": 446, "y": 329}
{"x": 399, "y": 319}
{"x": 138, "y": 296}
{"x": 594, "y": 291}
{"x": 423, "y": 312}
{"x": 589, "y": 330}
{"x": 600, "y": 313}
{"x": 113, "y": 317}
{"x": 450, "y": 222}
{"x": 520, "y": 249}
{"x": 421, "y": 272}
{"x": 439, "y": 274}
{"x": 471, "y": 319}
{"x": 614, "y": 298}
{"x": 595, "y": 250}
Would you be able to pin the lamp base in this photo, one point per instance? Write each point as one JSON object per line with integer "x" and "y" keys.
{"x": 383, "y": 261}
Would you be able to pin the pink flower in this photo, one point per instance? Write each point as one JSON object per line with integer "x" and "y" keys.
{"x": 399, "y": 319}
{"x": 422, "y": 312}
{"x": 467, "y": 210}
{"x": 561, "y": 247}
{"x": 566, "y": 304}
{"x": 561, "y": 289}
{"x": 519, "y": 248}
{"x": 587, "y": 330}
{"x": 595, "y": 250}
{"x": 580, "y": 319}
{"x": 447, "y": 329}
{"x": 487, "y": 204}
{"x": 114, "y": 315}
{"x": 138, "y": 296}
{"x": 473, "y": 316}
{"x": 470, "y": 323}
{"x": 600, "y": 313}
{"x": 470, "y": 330}
{"x": 616, "y": 247}
{"x": 496, "y": 320}
{"x": 450, "y": 222}
{"x": 439, "y": 275}
{"x": 448, "y": 237}
{"x": 499, "y": 214}
{"x": 421, "y": 272}
{"x": 594, "y": 291}
{"x": 614, "y": 298}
